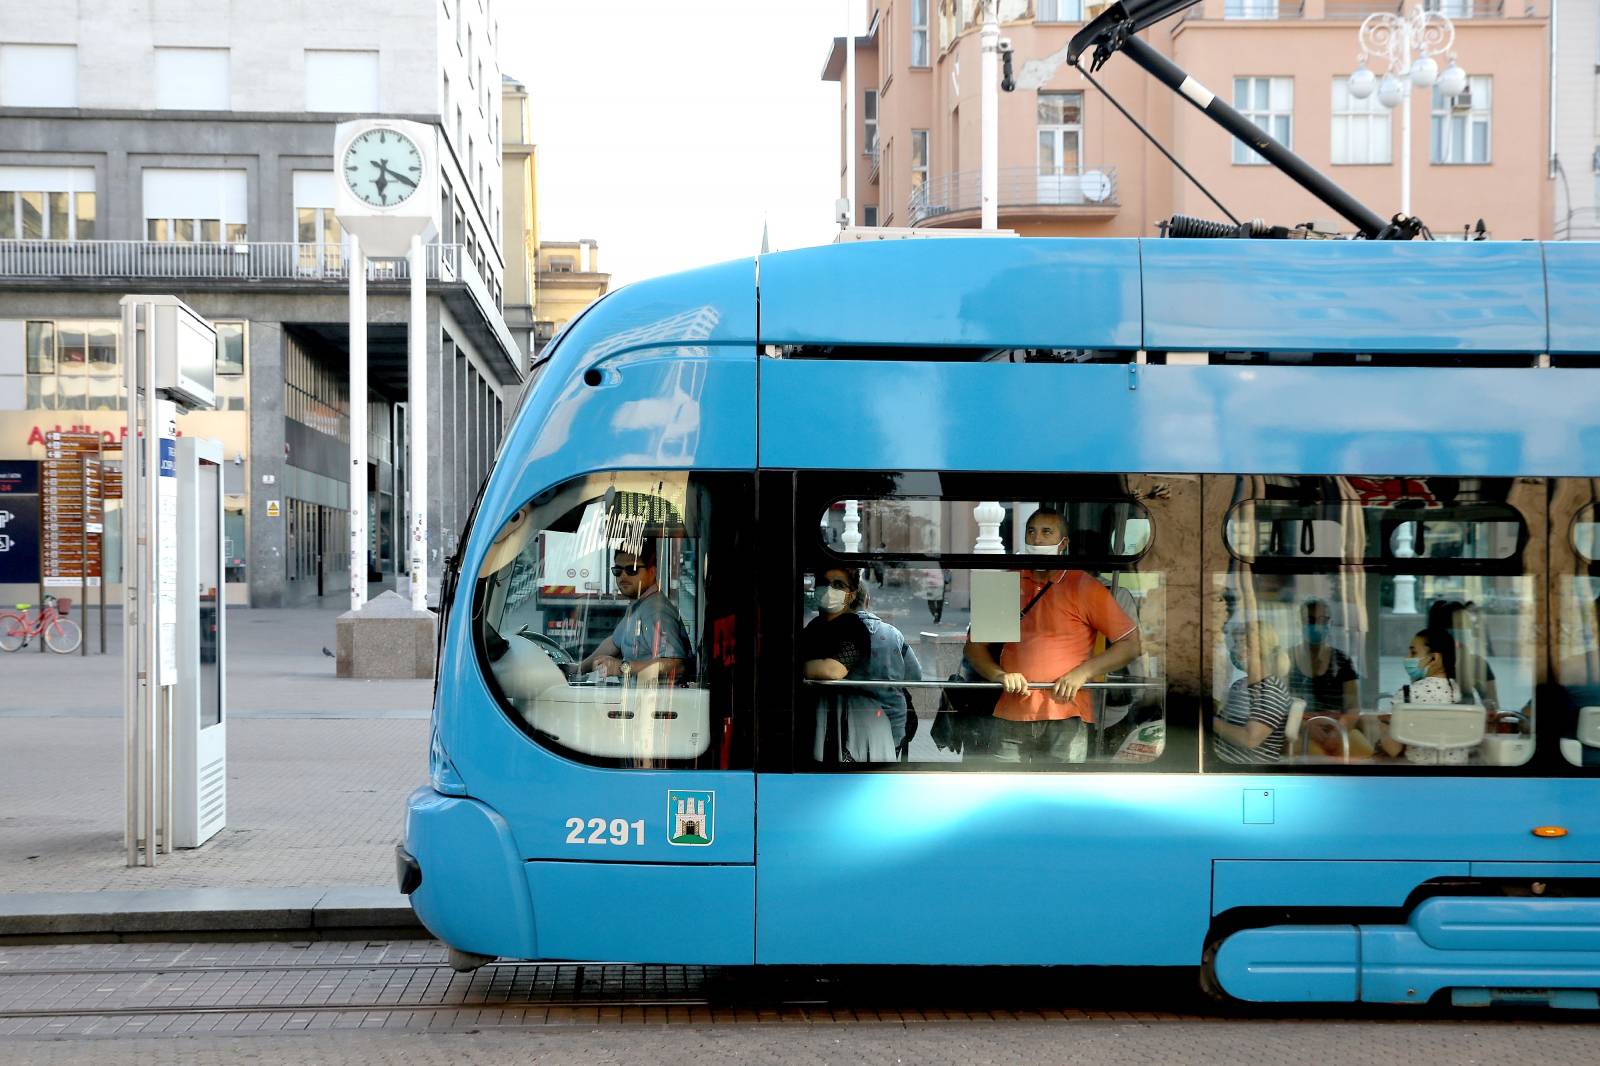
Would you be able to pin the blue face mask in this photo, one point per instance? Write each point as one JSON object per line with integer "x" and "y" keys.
{"x": 1414, "y": 669}
{"x": 1316, "y": 632}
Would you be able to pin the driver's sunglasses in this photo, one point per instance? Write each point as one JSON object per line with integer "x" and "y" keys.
{"x": 618, "y": 571}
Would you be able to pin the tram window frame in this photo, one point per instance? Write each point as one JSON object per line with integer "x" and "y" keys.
{"x": 1389, "y": 522}
{"x": 1525, "y": 497}
{"x": 816, "y": 491}
{"x": 723, "y": 641}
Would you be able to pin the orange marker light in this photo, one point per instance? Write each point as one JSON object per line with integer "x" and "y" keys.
{"x": 1549, "y": 831}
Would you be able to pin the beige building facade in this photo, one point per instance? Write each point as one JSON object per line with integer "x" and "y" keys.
{"x": 569, "y": 280}
{"x": 1071, "y": 165}
{"x": 520, "y": 194}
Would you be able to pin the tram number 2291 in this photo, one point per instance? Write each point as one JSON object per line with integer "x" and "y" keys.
{"x": 599, "y": 831}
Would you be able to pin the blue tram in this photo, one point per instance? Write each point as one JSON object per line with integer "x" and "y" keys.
{"x": 1344, "y": 492}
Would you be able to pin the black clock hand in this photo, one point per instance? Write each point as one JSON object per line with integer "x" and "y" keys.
{"x": 396, "y": 175}
{"x": 380, "y": 182}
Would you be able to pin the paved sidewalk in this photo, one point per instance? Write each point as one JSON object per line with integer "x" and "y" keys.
{"x": 318, "y": 771}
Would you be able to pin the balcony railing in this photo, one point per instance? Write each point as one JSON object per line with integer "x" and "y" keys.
{"x": 251, "y": 261}
{"x": 1019, "y": 188}
{"x": 1455, "y": 9}
{"x": 1267, "y": 10}
{"x": 1582, "y": 224}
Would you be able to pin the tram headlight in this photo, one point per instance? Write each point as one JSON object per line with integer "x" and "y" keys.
{"x": 442, "y": 773}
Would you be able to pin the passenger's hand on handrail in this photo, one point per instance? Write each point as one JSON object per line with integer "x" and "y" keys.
{"x": 1015, "y": 684}
{"x": 1068, "y": 684}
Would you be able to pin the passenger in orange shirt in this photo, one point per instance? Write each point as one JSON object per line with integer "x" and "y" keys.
{"x": 1063, "y": 611}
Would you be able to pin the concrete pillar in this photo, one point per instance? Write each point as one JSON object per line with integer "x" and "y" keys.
{"x": 268, "y": 536}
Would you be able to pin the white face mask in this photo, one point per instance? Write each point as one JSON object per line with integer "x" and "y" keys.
{"x": 1042, "y": 549}
{"x": 831, "y": 600}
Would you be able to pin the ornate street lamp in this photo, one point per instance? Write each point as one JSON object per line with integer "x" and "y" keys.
{"x": 1408, "y": 44}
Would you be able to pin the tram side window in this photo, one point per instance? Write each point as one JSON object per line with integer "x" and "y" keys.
{"x": 606, "y": 633}
{"x": 1577, "y": 624}
{"x": 1380, "y": 621}
{"x": 911, "y": 656}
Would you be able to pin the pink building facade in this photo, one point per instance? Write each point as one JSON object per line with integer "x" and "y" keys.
{"x": 1071, "y": 165}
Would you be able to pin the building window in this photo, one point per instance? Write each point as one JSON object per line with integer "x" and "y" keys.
{"x": 1250, "y": 9}
{"x": 869, "y": 215}
{"x": 47, "y": 203}
{"x": 1456, "y": 9}
{"x": 230, "y": 348}
{"x": 319, "y": 236}
{"x": 41, "y": 343}
{"x": 919, "y": 33}
{"x": 562, "y": 264}
{"x": 38, "y": 75}
{"x": 1059, "y": 11}
{"x": 1060, "y": 134}
{"x": 195, "y": 205}
{"x": 73, "y": 365}
{"x": 1461, "y": 123}
{"x": 342, "y": 81}
{"x": 1361, "y": 128}
{"x": 1269, "y": 103}
{"x": 919, "y": 160}
{"x": 193, "y": 79}
{"x": 869, "y": 120}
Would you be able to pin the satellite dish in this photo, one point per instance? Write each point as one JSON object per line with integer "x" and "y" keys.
{"x": 1096, "y": 186}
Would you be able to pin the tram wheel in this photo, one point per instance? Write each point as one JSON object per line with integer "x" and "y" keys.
{"x": 1209, "y": 985}
{"x": 467, "y": 961}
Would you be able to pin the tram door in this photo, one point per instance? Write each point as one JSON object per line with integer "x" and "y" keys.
{"x": 943, "y": 840}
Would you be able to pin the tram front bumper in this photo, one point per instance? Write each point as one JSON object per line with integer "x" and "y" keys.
{"x": 471, "y": 890}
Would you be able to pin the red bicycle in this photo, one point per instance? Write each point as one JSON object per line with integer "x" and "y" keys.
{"x": 61, "y": 634}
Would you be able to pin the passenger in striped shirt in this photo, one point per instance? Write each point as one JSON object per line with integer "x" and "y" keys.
{"x": 1249, "y": 728}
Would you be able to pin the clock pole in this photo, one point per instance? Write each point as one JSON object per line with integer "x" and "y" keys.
{"x": 417, "y": 437}
{"x": 358, "y": 424}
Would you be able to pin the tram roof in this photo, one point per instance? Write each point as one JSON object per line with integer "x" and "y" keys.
{"x": 1185, "y": 295}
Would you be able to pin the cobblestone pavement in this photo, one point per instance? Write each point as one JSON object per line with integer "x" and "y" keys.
{"x": 310, "y": 802}
{"x": 360, "y": 1002}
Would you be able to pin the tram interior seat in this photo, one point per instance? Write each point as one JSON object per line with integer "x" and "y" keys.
{"x": 1584, "y": 748}
{"x": 624, "y": 721}
{"x": 1438, "y": 725}
{"x": 610, "y": 721}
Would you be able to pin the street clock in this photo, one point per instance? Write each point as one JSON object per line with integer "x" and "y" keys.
{"x": 381, "y": 167}
{"x": 388, "y": 182}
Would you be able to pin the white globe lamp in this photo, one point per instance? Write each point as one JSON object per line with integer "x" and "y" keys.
{"x": 1362, "y": 81}
{"x": 1424, "y": 72}
{"x": 1452, "y": 80}
{"x": 1391, "y": 91}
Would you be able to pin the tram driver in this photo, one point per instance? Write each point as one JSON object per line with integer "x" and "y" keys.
{"x": 1063, "y": 611}
{"x": 650, "y": 643}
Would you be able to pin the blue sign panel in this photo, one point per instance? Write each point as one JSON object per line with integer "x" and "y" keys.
{"x": 169, "y": 457}
{"x": 19, "y": 476}
{"x": 19, "y": 538}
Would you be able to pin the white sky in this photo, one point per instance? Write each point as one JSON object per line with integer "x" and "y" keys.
{"x": 669, "y": 131}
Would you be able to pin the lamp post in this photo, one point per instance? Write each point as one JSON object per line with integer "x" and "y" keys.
{"x": 1408, "y": 44}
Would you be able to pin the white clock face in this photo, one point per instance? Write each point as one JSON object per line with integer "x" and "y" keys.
{"x": 382, "y": 167}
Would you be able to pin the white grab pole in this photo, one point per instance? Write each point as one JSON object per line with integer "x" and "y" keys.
{"x": 989, "y": 97}
{"x": 358, "y": 424}
{"x": 417, "y": 410}
{"x": 132, "y": 586}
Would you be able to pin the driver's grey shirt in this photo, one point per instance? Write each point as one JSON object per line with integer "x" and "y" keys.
{"x": 651, "y": 629}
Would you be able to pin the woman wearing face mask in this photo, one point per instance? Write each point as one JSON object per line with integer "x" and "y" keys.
{"x": 1326, "y": 679}
{"x": 1472, "y": 670}
{"x": 836, "y": 646}
{"x": 1250, "y": 726}
{"x": 1431, "y": 666}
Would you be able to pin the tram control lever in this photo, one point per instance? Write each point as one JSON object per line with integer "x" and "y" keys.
{"x": 1115, "y": 30}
